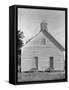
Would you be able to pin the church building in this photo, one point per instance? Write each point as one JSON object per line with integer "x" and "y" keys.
{"x": 42, "y": 52}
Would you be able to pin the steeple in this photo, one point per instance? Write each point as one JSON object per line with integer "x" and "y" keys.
{"x": 43, "y": 25}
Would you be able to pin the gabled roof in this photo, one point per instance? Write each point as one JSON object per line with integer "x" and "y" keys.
{"x": 50, "y": 37}
{"x": 32, "y": 37}
{"x": 53, "y": 40}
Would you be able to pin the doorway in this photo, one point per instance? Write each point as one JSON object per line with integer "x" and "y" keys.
{"x": 36, "y": 62}
{"x": 51, "y": 63}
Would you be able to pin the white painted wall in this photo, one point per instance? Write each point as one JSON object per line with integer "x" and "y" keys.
{"x": 43, "y": 63}
{"x": 44, "y": 52}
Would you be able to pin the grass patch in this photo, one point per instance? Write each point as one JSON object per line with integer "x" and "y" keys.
{"x": 38, "y": 76}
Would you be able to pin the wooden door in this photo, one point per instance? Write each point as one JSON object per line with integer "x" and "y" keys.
{"x": 36, "y": 62}
{"x": 51, "y": 62}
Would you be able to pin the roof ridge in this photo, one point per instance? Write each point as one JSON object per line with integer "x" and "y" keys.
{"x": 32, "y": 38}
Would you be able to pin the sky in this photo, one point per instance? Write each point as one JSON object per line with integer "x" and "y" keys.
{"x": 29, "y": 21}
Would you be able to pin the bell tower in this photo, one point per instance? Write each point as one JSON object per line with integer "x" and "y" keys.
{"x": 43, "y": 26}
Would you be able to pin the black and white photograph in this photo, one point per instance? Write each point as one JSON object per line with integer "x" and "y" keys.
{"x": 41, "y": 44}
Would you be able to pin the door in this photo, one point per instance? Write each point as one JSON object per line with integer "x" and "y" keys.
{"x": 36, "y": 62}
{"x": 51, "y": 63}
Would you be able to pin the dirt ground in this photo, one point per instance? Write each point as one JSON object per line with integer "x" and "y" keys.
{"x": 38, "y": 76}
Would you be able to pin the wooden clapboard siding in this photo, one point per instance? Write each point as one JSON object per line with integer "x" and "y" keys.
{"x": 43, "y": 57}
{"x": 43, "y": 63}
{"x": 59, "y": 63}
{"x": 44, "y": 50}
{"x": 27, "y": 64}
{"x": 40, "y": 51}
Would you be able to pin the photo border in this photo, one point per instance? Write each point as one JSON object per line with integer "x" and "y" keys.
{"x": 16, "y": 29}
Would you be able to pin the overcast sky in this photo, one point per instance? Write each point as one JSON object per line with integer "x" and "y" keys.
{"x": 29, "y": 22}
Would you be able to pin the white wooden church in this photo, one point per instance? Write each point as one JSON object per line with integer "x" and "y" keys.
{"x": 42, "y": 52}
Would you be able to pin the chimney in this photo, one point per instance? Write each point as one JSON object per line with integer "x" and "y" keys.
{"x": 43, "y": 26}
